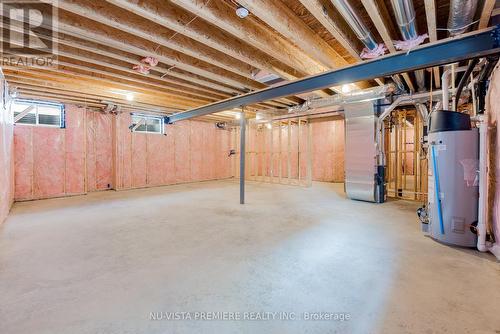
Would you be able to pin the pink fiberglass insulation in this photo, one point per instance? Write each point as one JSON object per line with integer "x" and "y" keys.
{"x": 23, "y": 162}
{"x": 139, "y": 160}
{"x": 338, "y": 151}
{"x": 168, "y": 150}
{"x": 197, "y": 162}
{"x": 294, "y": 151}
{"x": 104, "y": 150}
{"x": 327, "y": 145}
{"x": 275, "y": 150}
{"x": 182, "y": 153}
{"x": 493, "y": 112}
{"x": 75, "y": 150}
{"x": 55, "y": 162}
{"x": 251, "y": 157}
{"x": 303, "y": 151}
{"x": 209, "y": 151}
{"x": 91, "y": 148}
{"x": 283, "y": 153}
{"x": 222, "y": 160}
{"x": 49, "y": 162}
{"x": 155, "y": 159}
{"x": 124, "y": 151}
{"x": 6, "y": 154}
{"x": 99, "y": 151}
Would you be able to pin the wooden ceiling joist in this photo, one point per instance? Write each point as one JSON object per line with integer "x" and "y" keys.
{"x": 430, "y": 12}
{"x": 176, "y": 19}
{"x": 170, "y": 57}
{"x": 221, "y": 15}
{"x": 283, "y": 20}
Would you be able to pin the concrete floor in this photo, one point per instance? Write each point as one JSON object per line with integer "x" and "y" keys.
{"x": 102, "y": 263}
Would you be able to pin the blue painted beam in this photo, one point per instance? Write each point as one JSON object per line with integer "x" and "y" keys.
{"x": 472, "y": 45}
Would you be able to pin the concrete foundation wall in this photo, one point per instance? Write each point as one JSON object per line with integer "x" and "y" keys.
{"x": 6, "y": 153}
{"x": 97, "y": 151}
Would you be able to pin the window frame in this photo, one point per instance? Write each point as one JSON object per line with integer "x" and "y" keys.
{"x": 146, "y": 117}
{"x": 37, "y": 103}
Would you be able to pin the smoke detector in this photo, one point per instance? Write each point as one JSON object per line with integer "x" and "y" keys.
{"x": 242, "y": 12}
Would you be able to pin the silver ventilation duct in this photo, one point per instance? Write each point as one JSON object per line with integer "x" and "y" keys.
{"x": 355, "y": 23}
{"x": 461, "y": 15}
{"x": 405, "y": 17}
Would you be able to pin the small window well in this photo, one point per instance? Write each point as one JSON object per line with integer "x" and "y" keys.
{"x": 147, "y": 124}
{"x": 38, "y": 113}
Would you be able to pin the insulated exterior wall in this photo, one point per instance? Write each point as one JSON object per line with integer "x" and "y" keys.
{"x": 98, "y": 151}
{"x": 6, "y": 153}
{"x": 493, "y": 111}
{"x": 50, "y": 162}
{"x": 190, "y": 151}
{"x": 328, "y": 150}
{"x": 277, "y": 152}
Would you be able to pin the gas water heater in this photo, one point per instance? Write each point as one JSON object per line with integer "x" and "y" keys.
{"x": 453, "y": 187}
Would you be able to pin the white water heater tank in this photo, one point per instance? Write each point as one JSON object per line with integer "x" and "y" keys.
{"x": 453, "y": 174}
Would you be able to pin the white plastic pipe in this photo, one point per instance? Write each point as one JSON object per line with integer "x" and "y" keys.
{"x": 445, "y": 82}
{"x": 483, "y": 184}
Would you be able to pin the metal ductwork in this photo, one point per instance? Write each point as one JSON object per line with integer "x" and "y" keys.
{"x": 356, "y": 96}
{"x": 405, "y": 17}
{"x": 355, "y": 23}
{"x": 461, "y": 15}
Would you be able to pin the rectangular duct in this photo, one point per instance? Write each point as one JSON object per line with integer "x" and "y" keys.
{"x": 360, "y": 151}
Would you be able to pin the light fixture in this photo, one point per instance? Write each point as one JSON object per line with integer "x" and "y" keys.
{"x": 346, "y": 88}
{"x": 269, "y": 126}
{"x": 258, "y": 116}
{"x": 129, "y": 97}
{"x": 14, "y": 93}
{"x": 237, "y": 116}
{"x": 242, "y": 12}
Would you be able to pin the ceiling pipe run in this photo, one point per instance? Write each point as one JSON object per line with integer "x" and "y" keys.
{"x": 345, "y": 98}
{"x": 372, "y": 48}
{"x": 461, "y": 16}
{"x": 405, "y": 17}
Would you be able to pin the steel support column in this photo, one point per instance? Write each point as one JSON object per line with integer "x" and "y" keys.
{"x": 243, "y": 125}
{"x": 472, "y": 45}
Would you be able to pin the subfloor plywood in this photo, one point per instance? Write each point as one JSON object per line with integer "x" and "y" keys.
{"x": 102, "y": 263}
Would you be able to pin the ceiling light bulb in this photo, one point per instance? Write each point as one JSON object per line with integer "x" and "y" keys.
{"x": 242, "y": 12}
{"x": 237, "y": 116}
{"x": 269, "y": 126}
{"x": 346, "y": 89}
{"x": 129, "y": 97}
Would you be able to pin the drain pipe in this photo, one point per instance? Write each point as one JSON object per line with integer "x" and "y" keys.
{"x": 405, "y": 17}
{"x": 483, "y": 184}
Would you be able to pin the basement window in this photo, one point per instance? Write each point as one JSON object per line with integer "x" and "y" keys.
{"x": 147, "y": 124}
{"x": 38, "y": 113}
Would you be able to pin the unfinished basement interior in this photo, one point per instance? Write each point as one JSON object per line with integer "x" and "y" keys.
{"x": 250, "y": 166}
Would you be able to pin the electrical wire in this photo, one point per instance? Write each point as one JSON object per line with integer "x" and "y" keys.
{"x": 176, "y": 33}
